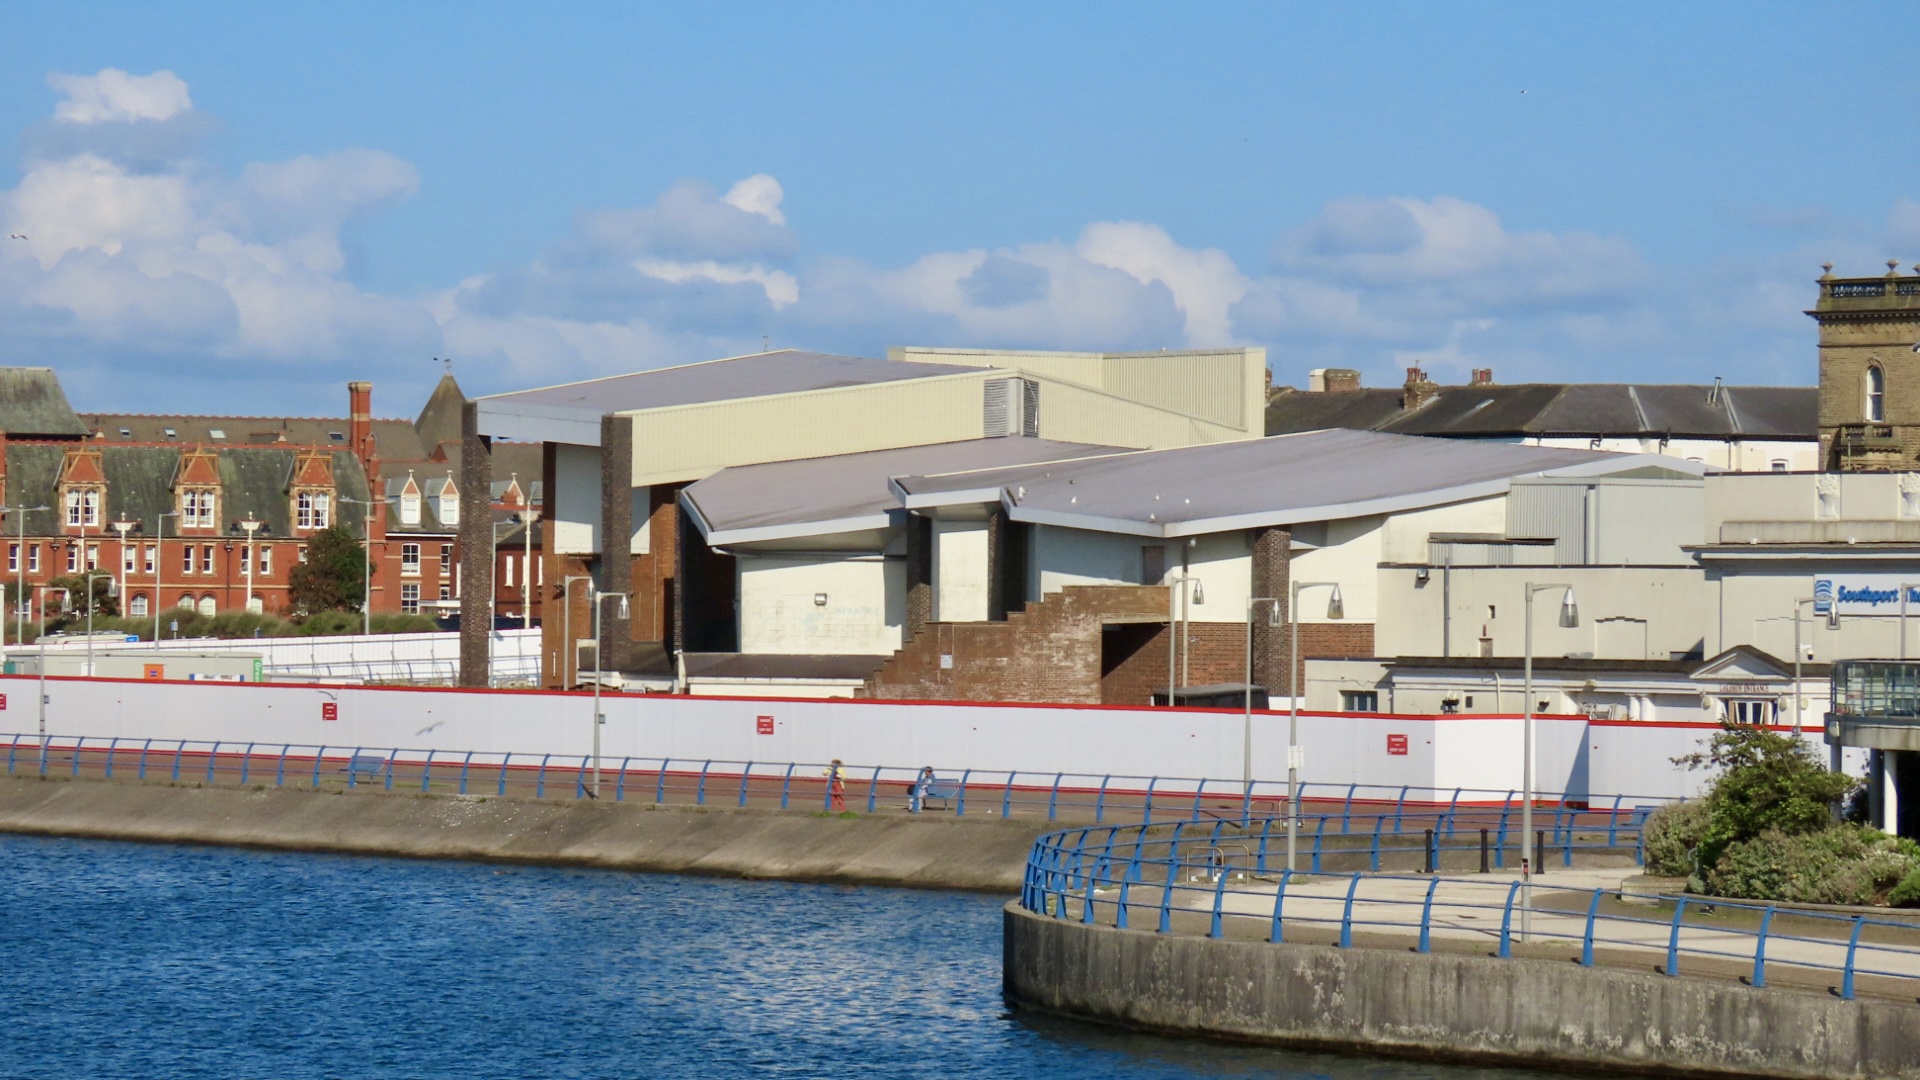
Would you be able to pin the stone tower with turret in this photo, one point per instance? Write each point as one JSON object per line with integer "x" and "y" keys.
{"x": 1869, "y": 371}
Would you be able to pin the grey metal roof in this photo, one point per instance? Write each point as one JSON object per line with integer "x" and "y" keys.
{"x": 1562, "y": 409}
{"x": 394, "y": 440}
{"x": 786, "y": 371}
{"x": 846, "y": 492}
{"x": 32, "y": 405}
{"x": 1314, "y": 476}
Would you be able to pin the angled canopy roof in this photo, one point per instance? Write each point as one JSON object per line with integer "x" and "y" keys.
{"x": 1280, "y": 480}
{"x": 572, "y": 412}
{"x": 819, "y": 496}
{"x": 1561, "y": 409}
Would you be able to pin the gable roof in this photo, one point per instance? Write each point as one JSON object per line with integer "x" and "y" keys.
{"x": 32, "y": 405}
{"x": 1561, "y": 409}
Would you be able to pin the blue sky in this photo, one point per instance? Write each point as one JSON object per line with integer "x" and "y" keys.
{"x": 241, "y": 207}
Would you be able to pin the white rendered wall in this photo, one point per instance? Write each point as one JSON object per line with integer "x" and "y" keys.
{"x": 862, "y": 614}
{"x": 960, "y": 589}
{"x": 1351, "y": 557}
{"x": 574, "y": 504}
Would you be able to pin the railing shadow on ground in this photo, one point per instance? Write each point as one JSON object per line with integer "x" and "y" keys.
{"x": 1182, "y": 878}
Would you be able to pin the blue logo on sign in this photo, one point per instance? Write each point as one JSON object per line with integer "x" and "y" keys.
{"x": 1822, "y": 595}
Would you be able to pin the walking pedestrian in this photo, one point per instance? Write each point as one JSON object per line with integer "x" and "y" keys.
{"x": 837, "y": 785}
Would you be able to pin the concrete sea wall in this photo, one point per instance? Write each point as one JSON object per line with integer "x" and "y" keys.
{"x": 924, "y": 852}
{"x": 1450, "y": 1006}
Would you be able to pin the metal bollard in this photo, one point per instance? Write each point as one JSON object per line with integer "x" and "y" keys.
{"x": 1427, "y": 851}
{"x": 1485, "y": 866}
{"x": 1539, "y": 847}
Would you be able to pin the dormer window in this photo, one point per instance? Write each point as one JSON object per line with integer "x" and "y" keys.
{"x": 1876, "y": 410}
{"x": 83, "y": 507}
{"x": 449, "y": 508}
{"x": 197, "y": 508}
{"x": 410, "y": 508}
{"x": 313, "y": 509}
{"x": 216, "y": 433}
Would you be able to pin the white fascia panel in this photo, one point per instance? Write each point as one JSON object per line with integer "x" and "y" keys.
{"x": 935, "y": 499}
{"x": 539, "y": 423}
{"x": 1260, "y": 519}
{"x": 794, "y": 530}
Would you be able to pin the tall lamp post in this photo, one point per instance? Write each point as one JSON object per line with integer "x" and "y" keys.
{"x": 1569, "y": 618}
{"x": 1336, "y": 609}
{"x": 91, "y": 575}
{"x": 66, "y": 600}
{"x": 20, "y": 567}
{"x": 159, "y": 565}
{"x": 621, "y": 611}
{"x": 1188, "y": 587}
{"x": 569, "y": 653}
{"x": 528, "y": 518}
{"x": 1906, "y": 587}
{"x": 250, "y": 526}
{"x": 1833, "y": 623}
{"x": 366, "y": 562}
{"x": 123, "y": 526}
{"x": 1246, "y": 724}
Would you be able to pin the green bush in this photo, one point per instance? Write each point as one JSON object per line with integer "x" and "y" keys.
{"x": 394, "y": 623}
{"x": 330, "y": 622}
{"x": 1840, "y": 864}
{"x": 1672, "y": 835}
{"x": 1907, "y": 893}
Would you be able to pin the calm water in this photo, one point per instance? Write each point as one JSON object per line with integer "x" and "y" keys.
{"x": 123, "y": 960}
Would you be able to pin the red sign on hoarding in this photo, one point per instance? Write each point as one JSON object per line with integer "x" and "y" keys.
{"x": 329, "y": 710}
{"x": 763, "y": 725}
{"x": 3, "y": 703}
{"x": 1397, "y": 745}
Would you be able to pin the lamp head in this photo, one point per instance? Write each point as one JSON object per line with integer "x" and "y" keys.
{"x": 1833, "y": 616}
{"x": 1569, "y": 610}
{"x": 1273, "y": 613}
{"x": 1336, "y": 608}
{"x": 1199, "y": 594}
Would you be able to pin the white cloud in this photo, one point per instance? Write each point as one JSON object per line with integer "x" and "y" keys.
{"x": 112, "y": 95}
{"x": 781, "y": 287}
{"x": 757, "y": 194}
{"x": 1205, "y": 283}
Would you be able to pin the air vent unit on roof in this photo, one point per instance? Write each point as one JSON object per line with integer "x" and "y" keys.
{"x": 337, "y": 436}
{"x": 216, "y": 433}
{"x": 126, "y": 433}
{"x": 1011, "y": 407}
{"x": 169, "y": 432}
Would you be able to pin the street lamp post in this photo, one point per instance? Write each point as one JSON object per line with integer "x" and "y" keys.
{"x": 250, "y": 526}
{"x": 527, "y": 518}
{"x": 66, "y": 600}
{"x": 569, "y": 654}
{"x": 1905, "y": 588}
{"x": 159, "y": 566}
{"x": 123, "y": 526}
{"x": 20, "y": 567}
{"x": 1833, "y": 623}
{"x": 1336, "y": 609}
{"x": 621, "y": 611}
{"x": 1569, "y": 618}
{"x": 91, "y": 575}
{"x": 366, "y": 562}
{"x": 1246, "y": 726}
{"x": 1188, "y": 587}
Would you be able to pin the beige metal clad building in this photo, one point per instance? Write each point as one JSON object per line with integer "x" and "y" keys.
{"x": 619, "y": 450}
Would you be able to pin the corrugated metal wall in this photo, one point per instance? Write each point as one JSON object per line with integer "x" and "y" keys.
{"x": 1610, "y": 521}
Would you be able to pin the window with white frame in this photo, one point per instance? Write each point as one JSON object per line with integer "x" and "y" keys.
{"x": 128, "y": 553}
{"x": 206, "y": 559}
{"x": 446, "y": 591}
{"x": 93, "y": 556}
{"x": 1359, "y": 701}
{"x": 449, "y": 507}
{"x": 446, "y": 559}
{"x": 13, "y": 558}
{"x": 33, "y": 558}
{"x": 73, "y": 558}
{"x": 1752, "y": 711}
{"x": 410, "y": 599}
{"x": 409, "y": 508}
{"x": 509, "y": 571}
{"x": 196, "y": 508}
{"x": 138, "y": 605}
{"x": 1876, "y": 405}
{"x": 410, "y": 561}
{"x": 266, "y": 561}
{"x": 148, "y": 559}
{"x": 83, "y": 507}
{"x": 186, "y": 564}
{"x": 313, "y": 509}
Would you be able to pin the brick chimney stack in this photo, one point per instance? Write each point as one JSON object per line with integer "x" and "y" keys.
{"x": 1482, "y": 376}
{"x": 1419, "y": 389}
{"x": 360, "y": 422}
{"x": 1341, "y": 380}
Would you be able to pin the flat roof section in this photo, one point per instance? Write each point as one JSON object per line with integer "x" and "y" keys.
{"x": 848, "y": 492}
{"x": 1279, "y": 480}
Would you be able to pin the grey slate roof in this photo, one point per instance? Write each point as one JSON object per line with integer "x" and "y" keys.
{"x": 33, "y": 406}
{"x": 1561, "y": 409}
{"x": 844, "y": 492}
{"x": 139, "y": 486}
{"x": 394, "y": 440}
{"x": 1313, "y": 476}
{"x": 782, "y": 372}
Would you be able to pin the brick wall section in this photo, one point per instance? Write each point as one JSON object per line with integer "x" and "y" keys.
{"x": 919, "y": 575}
{"x": 1218, "y": 654}
{"x": 476, "y": 548}
{"x": 654, "y": 573}
{"x": 1272, "y": 568}
{"x": 1049, "y": 652}
{"x": 562, "y": 623}
{"x": 616, "y": 531}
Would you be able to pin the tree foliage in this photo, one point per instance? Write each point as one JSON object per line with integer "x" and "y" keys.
{"x": 1766, "y": 780}
{"x": 333, "y": 575}
{"x": 80, "y": 587}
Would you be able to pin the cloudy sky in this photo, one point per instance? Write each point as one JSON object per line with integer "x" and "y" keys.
{"x": 238, "y": 208}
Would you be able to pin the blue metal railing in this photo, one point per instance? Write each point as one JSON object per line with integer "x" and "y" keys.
{"x": 1113, "y": 874}
{"x": 1335, "y": 819}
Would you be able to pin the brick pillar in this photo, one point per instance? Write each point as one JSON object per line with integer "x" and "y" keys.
{"x": 919, "y": 575}
{"x": 476, "y": 548}
{"x": 997, "y": 526}
{"x": 1271, "y": 553}
{"x": 616, "y": 537}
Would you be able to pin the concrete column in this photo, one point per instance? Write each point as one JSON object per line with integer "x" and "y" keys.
{"x": 1272, "y": 552}
{"x": 476, "y": 549}
{"x": 616, "y": 537}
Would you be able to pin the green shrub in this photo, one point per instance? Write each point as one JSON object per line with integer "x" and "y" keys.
{"x": 395, "y": 623}
{"x": 1907, "y": 893}
{"x": 1841, "y": 864}
{"x": 328, "y": 623}
{"x": 1672, "y": 835}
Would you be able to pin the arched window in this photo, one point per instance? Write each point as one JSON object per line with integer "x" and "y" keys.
{"x": 186, "y": 601}
{"x": 1876, "y": 394}
{"x": 138, "y": 606}
{"x": 207, "y": 606}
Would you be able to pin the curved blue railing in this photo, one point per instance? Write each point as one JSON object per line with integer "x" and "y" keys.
{"x": 1379, "y": 819}
{"x": 1194, "y": 872}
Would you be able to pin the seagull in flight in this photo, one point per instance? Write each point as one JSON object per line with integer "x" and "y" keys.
{"x": 17, "y": 236}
